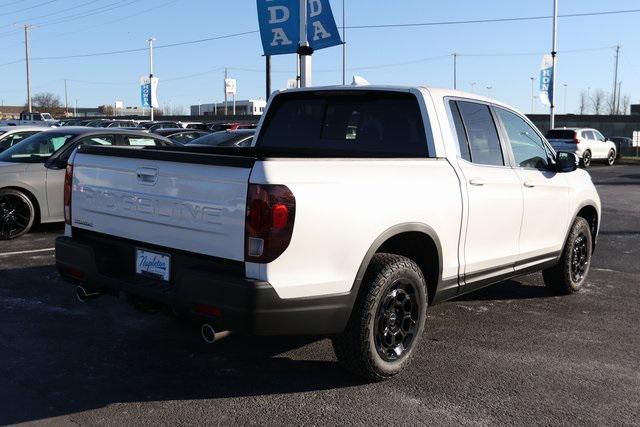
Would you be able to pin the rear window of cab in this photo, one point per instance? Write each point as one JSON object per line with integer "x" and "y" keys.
{"x": 345, "y": 124}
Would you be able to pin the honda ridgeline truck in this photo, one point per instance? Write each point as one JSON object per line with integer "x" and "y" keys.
{"x": 355, "y": 210}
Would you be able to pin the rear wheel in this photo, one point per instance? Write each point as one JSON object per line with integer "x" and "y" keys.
{"x": 569, "y": 274}
{"x": 387, "y": 320}
{"x": 17, "y": 214}
{"x": 586, "y": 158}
{"x": 611, "y": 158}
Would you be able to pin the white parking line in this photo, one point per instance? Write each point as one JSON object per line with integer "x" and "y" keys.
{"x": 26, "y": 252}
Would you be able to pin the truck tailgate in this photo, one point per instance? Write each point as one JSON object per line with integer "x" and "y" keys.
{"x": 190, "y": 202}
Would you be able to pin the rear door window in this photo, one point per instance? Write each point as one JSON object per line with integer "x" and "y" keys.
{"x": 481, "y": 133}
{"x": 345, "y": 123}
{"x": 139, "y": 141}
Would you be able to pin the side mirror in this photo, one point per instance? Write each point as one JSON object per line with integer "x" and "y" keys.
{"x": 56, "y": 163}
{"x": 567, "y": 162}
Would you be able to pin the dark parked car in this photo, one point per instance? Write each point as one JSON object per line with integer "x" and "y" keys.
{"x": 623, "y": 144}
{"x": 216, "y": 127}
{"x": 227, "y": 138}
{"x": 154, "y": 126}
{"x": 179, "y": 135}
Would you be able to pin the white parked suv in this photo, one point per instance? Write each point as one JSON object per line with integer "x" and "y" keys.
{"x": 355, "y": 209}
{"x": 588, "y": 144}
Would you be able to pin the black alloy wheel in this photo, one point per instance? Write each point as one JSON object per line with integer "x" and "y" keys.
{"x": 611, "y": 158}
{"x": 397, "y": 320}
{"x": 579, "y": 258}
{"x": 586, "y": 159}
{"x": 16, "y": 214}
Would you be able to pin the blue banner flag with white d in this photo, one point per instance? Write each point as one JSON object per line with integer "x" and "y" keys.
{"x": 546, "y": 80}
{"x": 280, "y": 26}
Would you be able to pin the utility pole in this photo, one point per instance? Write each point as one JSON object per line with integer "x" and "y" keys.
{"x": 615, "y": 82}
{"x": 268, "y": 76}
{"x": 75, "y": 109}
{"x": 533, "y": 95}
{"x": 565, "y": 98}
{"x": 344, "y": 46}
{"x": 66, "y": 99}
{"x": 304, "y": 50}
{"x": 619, "y": 99}
{"x": 554, "y": 52}
{"x": 455, "y": 71}
{"x": 150, "y": 40}
{"x": 26, "y": 58}
{"x": 226, "y": 111}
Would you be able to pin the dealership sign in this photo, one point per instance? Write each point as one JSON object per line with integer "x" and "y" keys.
{"x": 148, "y": 92}
{"x": 546, "y": 80}
{"x": 281, "y": 26}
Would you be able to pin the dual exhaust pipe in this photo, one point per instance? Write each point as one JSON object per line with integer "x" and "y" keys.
{"x": 83, "y": 294}
{"x": 207, "y": 332}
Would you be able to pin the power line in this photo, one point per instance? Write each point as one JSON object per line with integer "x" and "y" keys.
{"x": 493, "y": 20}
{"x": 28, "y": 8}
{"x": 56, "y": 12}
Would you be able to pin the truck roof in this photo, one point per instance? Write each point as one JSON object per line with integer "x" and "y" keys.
{"x": 434, "y": 91}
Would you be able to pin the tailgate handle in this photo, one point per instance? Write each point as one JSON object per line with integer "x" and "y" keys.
{"x": 147, "y": 175}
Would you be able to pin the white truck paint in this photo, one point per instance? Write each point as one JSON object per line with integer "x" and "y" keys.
{"x": 32, "y": 119}
{"x": 507, "y": 207}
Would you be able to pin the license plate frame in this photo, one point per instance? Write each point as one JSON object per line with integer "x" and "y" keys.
{"x": 153, "y": 264}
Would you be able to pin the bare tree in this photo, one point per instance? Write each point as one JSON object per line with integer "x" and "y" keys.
{"x": 597, "y": 101}
{"x": 46, "y": 102}
{"x": 626, "y": 102}
{"x": 611, "y": 106}
{"x": 106, "y": 110}
{"x": 583, "y": 103}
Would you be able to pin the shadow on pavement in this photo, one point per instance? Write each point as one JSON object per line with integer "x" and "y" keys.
{"x": 60, "y": 357}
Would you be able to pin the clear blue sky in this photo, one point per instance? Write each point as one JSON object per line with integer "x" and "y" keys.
{"x": 83, "y": 26}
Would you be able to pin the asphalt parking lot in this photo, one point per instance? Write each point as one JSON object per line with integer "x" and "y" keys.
{"x": 508, "y": 354}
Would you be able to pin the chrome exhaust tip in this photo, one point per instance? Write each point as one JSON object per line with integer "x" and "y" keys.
{"x": 207, "y": 333}
{"x": 83, "y": 295}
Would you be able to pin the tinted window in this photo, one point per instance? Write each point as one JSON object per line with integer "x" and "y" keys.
{"x": 36, "y": 148}
{"x": 345, "y": 123}
{"x": 482, "y": 134}
{"x": 588, "y": 135}
{"x": 139, "y": 141}
{"x": 598, "y": 136}
{"x": 528, "y": 148}
{"x": 222, "y": 138}
{"x": 98, "y": 140}
{"x": 560, "y": 134}
{"x": 13, "y": 139}
{"x": 463, "y": 143}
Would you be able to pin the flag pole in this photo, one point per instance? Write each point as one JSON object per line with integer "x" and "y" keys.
{"x": 554, "y": 51}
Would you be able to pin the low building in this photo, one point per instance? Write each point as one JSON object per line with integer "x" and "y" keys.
{"x": 247, "y": 107}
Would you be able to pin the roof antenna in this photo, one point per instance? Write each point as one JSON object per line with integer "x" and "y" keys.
{"x": 359, "y": 81}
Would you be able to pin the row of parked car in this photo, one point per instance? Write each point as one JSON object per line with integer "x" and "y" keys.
{"x": 33, "y": 160}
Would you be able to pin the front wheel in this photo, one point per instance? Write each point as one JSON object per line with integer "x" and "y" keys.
{"x": 586, "y": 158}
{"x": 569, "y": 274}
{"x": 387, "y": 320}
{"x": 611, "y": 158}
{"x": 17, "y": 214}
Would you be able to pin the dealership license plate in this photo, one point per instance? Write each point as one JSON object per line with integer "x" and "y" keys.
{"x": 153, "y": 264}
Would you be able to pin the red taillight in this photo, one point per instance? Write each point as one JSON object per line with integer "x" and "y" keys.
{"x": 68, "y": 187}
{"x": 269, "y": 224}
{"x": 576, "y": 140}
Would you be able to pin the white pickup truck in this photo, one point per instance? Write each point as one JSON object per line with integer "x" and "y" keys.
{"x": 355, "y": 210}
{"x": 31, "y": 119}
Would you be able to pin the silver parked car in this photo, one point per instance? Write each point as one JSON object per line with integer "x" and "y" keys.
{"x": 32, "y": 172}
{"x": 11, "y": 135}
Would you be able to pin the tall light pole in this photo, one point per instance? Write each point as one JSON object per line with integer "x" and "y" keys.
{"x": 26, "y": 58}
{"x": 66, "y": 99}
{"x": 304, "y": 50}
{"x": 151, "y": 40}
{"x": 533, "y": 95}
{"x": 344, "y": 45}
{"x": 554, "y": 51}
{"x": 565, "y": 98}
{"x": 455, "y": 71}
{"x": 616, "y": 94}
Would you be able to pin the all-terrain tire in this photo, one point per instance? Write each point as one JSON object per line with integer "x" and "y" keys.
{"x": 359, "y": 348}
{"x": 568, "y": 276}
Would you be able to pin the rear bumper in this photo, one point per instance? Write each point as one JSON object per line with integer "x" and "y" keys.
{"x": 238, "y": 304}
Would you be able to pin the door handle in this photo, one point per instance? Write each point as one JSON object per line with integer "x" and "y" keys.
{"x": 147, "y": 175}
{"x": 529, "y": 184}
{"x": 478, "y": 182}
